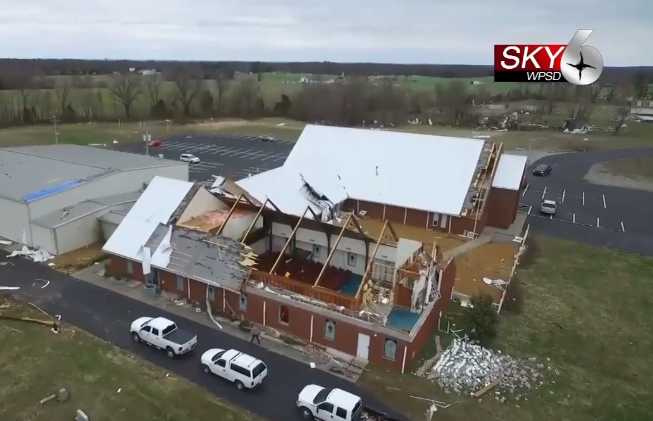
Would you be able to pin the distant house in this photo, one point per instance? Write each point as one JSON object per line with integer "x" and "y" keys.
{"x": 576, "y": 126}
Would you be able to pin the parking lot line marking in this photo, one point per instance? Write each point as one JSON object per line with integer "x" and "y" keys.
{"x": 583, "y": 198}
{"x": 525, "y": 190}
{"x": 544, "y": 193}
{"x": 623, "y": 229}
{"x": 564, "y": 191}
{"x": 573, "y": 218}
{"x": 598, "y": 225}
{"x": 530, "y": 208}
{"x": 604, "y": 205}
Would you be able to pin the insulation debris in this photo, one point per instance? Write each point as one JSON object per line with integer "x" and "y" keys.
{"x": 38, "y": 256}
{"x": 468, "y": 368}
{"x": 498, "y": 283}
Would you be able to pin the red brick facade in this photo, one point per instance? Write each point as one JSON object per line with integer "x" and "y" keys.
{"x": 267, "y": 311}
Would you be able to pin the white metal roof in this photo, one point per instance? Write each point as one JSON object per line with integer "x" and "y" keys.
{"x": 510, "y": 172}
{"x": 157, "y": 203}
{"x": 415, "y": 171}
{"x": 343, "y": 399}
{"x": 160, "y": 323}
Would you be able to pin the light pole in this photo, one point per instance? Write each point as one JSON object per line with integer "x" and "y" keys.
{"x": 56, "y": 134}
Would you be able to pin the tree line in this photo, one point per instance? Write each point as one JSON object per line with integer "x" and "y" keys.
{"x": 192, "y": 91}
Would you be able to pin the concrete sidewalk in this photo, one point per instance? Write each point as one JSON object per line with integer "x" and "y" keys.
{"x": 341, "y": 366}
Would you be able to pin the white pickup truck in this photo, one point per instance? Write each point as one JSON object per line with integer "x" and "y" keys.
{"x": 323, "y": 404}
{"x": 162, "y": 333}
{"x": 317, "y": 402}
{"x": 243, "y": 370}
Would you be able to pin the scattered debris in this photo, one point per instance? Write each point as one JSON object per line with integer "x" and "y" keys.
{"x": 6, "y": 264}
{"x": 62, "y": 395}
{"x": 468, "y": 368}
{"x": 5, "y": 243}
{"x": 497, "y": 283}
{"x": 81, "y": 416}
{"x": 38, "y": 256}
{"x": 119, "y": 390}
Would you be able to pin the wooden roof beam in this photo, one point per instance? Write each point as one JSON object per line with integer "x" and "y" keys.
{"x": 333, "y": 250}
{"x": 371, "y": 260}
{"x": 231, "y": 211}
{"x": 290, "y": 237}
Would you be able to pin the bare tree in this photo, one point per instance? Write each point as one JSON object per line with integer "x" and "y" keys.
{"x": 62, "y": 91}
{"x": 153, "y": 84}
{"x": 188, "y": 87}
{"x": 244, "y": 97}
{"x": 221, "y": 86}
{"x": 126, "y": 89}
{"x": 622, "y": 114}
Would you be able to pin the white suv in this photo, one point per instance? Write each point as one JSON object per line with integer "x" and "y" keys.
{"x": 243, "y": 370}
{"x": 188, "y": 157}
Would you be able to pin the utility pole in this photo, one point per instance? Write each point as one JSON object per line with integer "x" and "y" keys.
{"x": 147, "y": 137}
{"x": 56, "y": 133}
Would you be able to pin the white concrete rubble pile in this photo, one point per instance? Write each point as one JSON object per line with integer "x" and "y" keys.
{"x": 467, "y": 368}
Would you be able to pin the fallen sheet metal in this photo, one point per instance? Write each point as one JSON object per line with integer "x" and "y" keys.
{"x": 38, "y": 256}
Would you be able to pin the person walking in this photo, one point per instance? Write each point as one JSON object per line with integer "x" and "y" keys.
{"x": 256, "y": 335}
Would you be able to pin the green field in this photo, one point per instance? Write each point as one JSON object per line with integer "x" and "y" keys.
{"x": 588, "y": 310}
{"x": 639, "y": 169}
{"x": 105, "y": 382}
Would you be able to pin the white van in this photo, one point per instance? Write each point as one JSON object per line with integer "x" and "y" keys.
{"x": 243, "y": 370}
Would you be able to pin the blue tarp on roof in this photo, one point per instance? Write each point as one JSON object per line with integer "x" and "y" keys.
{"x": 50, "y": 191}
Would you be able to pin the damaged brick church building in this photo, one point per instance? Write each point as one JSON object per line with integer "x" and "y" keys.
{"x": 318, "y": 248}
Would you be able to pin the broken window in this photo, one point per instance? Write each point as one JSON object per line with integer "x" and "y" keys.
{"x": 330, "y": 330}
{"x": 316, "y": 251}
{"x": 242, "y": 304}
{"x": 351, "y": 259}
{"x": 284, "y": 314}
{"x": 390, "y": 349}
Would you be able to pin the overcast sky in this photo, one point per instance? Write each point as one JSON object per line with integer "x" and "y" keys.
{"x": 399, "y": 31}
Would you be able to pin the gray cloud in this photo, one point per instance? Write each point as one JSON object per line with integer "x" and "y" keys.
{"x": 408, "y": 31}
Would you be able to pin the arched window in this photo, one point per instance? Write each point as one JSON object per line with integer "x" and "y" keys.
{"x": 330, "y": 330}
{"x": 390, "y": 349}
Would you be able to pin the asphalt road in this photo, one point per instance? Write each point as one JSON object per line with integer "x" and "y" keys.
{"x": 591, "y": 213}
{"x": 108, "y": 316}
{"x": 231, "y": 156}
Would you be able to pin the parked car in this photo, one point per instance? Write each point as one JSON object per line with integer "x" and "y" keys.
{"x": 542, "y": 170}
{"x": 548, "y": 207}
{"x": 154, "y": 143}
{"x": 164, "y": 334}
{"x": 336, "y": 404}
{"x": 239, "y": 368}
{"x": 188, "y": 157}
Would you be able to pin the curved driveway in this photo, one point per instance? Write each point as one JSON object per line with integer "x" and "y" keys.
{"x": 596, "y": 214}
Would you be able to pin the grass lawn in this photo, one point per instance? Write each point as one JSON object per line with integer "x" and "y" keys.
{"x": 35, "y": 362}
{"x": 640, "y": 169}
{"x": 588, "y": 310}
{"x": 105, "y": 133}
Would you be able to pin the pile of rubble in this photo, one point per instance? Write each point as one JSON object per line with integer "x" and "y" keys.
{"x": 468, "y": 368}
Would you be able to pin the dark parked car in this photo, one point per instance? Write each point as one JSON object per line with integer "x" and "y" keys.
{"x": 542, "y": 170}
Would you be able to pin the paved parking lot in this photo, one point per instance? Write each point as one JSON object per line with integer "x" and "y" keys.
{"x": 586, "y": 212}
{"x": 230, "y": 156}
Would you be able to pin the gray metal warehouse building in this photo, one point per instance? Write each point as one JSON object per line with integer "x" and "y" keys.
{"x": 62, "y": 197}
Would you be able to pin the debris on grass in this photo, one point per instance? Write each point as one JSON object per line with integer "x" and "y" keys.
{"x": 468, "y": 368}
{"x": 38, "y": 256}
